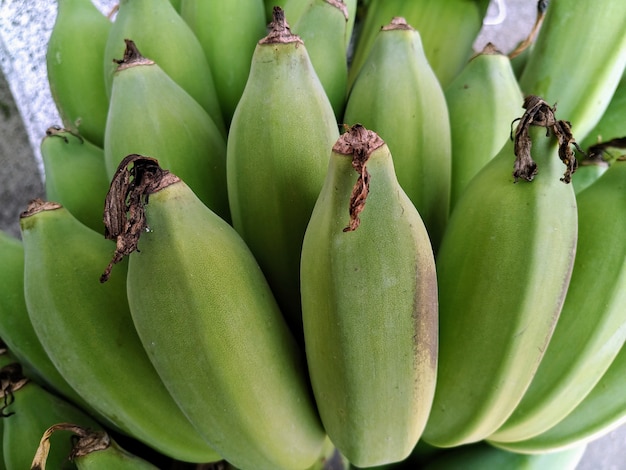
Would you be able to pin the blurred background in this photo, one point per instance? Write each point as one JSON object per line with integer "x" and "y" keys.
{"x": 27, "y": 110}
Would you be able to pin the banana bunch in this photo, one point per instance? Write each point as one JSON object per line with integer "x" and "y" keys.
{"x": 296, "y": 234}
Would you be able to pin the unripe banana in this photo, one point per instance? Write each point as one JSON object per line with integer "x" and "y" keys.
{"x": 161, "y": 34}
{"x": 398, "y": 96}
{"x": 482, "y": 101}
{"x": 27, "y": 410}
{"x": 88, "y": 333}
{"x": 447, "y": 53}
{"x": 277, "y": 158}
{"x": 75, "y": 175}
{"x": 16, "y": 329}
{"x": 482, "y": 456}
{"x": 322, "y": 25}
{"x": 74, "y": 63}
{"x": 562, "y": 68}
{"x": 93, "y": 449}
{"x": 216, "y": 336}
{"x": 602, "y": 411}
{"x": 178, "y": 131}
{"x": 228, "y": 32}
{"x": 593, "y": 316}
{"x": 369, "y": 306}
{"x": 503, "y": 269}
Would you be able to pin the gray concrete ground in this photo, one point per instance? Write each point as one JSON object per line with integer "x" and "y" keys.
{"x": 22, "y": 128}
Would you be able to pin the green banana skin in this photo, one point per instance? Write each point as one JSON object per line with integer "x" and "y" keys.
{"x": 180, "y": 55}
{"x": 323, "y": 28}
{"x": 277, "y": 157}
{"x": 32, "y": 410}
{"x": 74, "y": 64}
{"x": 16, "y": 329}
{"x": 562, "y": 69}
{"x": 503, "y": 270}
{"x": 397, "y": 95}
{"x": 369, "y": 304}
{"x": 482, "y": 456}
{"x": 483, "y": 100}
{"x": 602, "y": 411}
{"x": 87, "y": 331}
{"x": 587, "y": 173}
{"x": 179, "y": 132}
{"x": 218, "y": 340}
{"x": 593, "y": 316}
{"x": 447, "y": 53}
{"x": 76, "y": 175}
{"x": 228, "y": 32}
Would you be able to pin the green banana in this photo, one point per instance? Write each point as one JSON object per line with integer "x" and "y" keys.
{"x": 27, "y": 411}
{"x": 16, "y": 329}
{"x": 228, "y": 32}
{"x": 75, "y": 175}
{"x": 322, "y": 25}
{"x": 92, "y": 450}
{"x": 482, "y": 100}
{"x": 178, "y": 132}
{"x": 88, "y": 333}
{"x": 562, "y": 69}
{"x": 161, "y": 34}
{"x": 482, "y": 456}
{"x": 602, "y": 410}
{"x": 216, "y": 337}
{"x": 74, "y": 64}
{"x": 593, "y": 316}
{"x": 397, "y": 95}
{"x": 503, "y": 269}
{"x": 447, "y": 53}
{"x": 369, "y": 305}
{"x": 277, "y": 157}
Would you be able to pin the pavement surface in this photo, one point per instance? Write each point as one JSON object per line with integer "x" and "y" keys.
{"x": 26, "y": 110}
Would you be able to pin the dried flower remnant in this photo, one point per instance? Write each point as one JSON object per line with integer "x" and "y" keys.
{"x": 539, "y": 113}
{"x": 124, "y": 206}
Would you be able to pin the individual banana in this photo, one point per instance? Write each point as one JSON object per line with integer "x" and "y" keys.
{"x": 593, "y": 317}
{"x": 162, "y": 35}
{"x": 277, "y": 157}
{"x": 322, "y": 25}
{"x": 228, "y": 32}
{"x": 16, "y": 329}
{"x": 482, "y": 456}
{"x": 482, "y": 100}
{"x": 75, "y": 175}
{"x": 93, "y": 449}
{"x": 503, "y": 270}
{"x": 369, "y": 305}
{"x": 88, "y": 333}
{"x": 562, "y": 69}
{"x": 447, "y": 53}
{"x": 398, "y": 96}
{"x": 602, "y": 411}
{"x": 27, "y": 410}
{"x": 74, "y": 64}
{"x": 216, "y": 335}
{"x": 178, "y": 132}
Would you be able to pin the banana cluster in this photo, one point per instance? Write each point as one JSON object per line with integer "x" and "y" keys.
{"x": 284, "y": 235}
